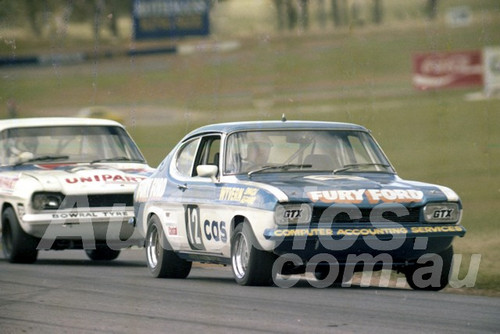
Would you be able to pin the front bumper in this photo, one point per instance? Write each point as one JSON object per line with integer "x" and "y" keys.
{"x": 90, "y": 225}
{"x": 404, "y": 243}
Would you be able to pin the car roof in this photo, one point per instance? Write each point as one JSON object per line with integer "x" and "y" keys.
{"x": 54, "y": 121}
{"x": 274, "y": 125}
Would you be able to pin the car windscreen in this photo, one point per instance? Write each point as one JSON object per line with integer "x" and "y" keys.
{"x": 67, "y": 144}
{"x": 307, "y": 150}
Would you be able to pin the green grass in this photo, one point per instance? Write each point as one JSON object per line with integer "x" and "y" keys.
{"x": 353, "y": 75}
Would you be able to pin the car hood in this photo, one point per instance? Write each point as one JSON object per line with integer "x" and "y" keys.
{"x": 86, "y": 178}
{"x": 361, "y": 189}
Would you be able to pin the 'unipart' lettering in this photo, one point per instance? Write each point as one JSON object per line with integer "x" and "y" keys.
{"x": 105, "y": 178}
{"x": 372, "y": 195}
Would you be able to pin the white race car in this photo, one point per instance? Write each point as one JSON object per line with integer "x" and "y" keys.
{"x": 67, "y": 183}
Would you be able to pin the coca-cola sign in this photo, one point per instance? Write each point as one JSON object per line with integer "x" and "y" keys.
{"x": 447, "y": 69}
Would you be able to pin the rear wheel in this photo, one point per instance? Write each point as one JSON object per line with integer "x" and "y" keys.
{"x": 430, "y": 277}
{"x": 162, "y": 261}
{"x": 250, "y": 265}
{"x": 102, "y": 253}
{"x": 17, "y": 245}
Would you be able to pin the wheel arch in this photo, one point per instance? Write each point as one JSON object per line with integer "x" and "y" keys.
{"x": 5, "y": 206}
{"x": 146, "y": 217}
{"x": 238, "y": 219}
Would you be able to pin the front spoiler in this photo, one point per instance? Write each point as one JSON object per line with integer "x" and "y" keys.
{"x": 403, "y": 243}
{"x": 92, "y": 226}
{"x": 350, "y": 232}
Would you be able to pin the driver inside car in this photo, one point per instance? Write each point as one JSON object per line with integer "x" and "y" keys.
{"x": 258, "y": 152}
{"x": 22, "y": 148}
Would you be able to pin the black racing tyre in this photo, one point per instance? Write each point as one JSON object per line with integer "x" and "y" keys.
{"x": 250, "y": 265}
{"x": 425, "y": 277}
{"x": 162, "y": 261}
{"x": 17, "y": 245}
{"x": 102, "y": 253}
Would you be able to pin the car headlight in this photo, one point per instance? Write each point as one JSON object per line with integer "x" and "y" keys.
{"x": 291, "y": 214}
{"x": 441, "y": 213}
{"x": 47, "y": 201}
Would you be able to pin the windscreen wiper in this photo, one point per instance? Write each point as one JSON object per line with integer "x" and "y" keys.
{"x": 43, "y": 158}
{"x": 282, "y": 167}
{"x": 351, "y": 166}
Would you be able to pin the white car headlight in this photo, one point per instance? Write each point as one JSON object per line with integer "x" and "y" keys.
{"x": 292, "y": 214}
{"x": 441, "y": 213}
{"x": 47, "y": 201}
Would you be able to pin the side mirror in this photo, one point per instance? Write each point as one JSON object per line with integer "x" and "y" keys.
{"x": 208, "y": 171}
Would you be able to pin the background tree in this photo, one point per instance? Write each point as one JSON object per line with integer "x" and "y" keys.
{"x": 431, "y": 9}
{"x": 337, "y": 21}
{"x": 280, "y": 13}
{"x": 321, "y": 13}
{"x": 34, "y": 8}
{"x": 304, "y": 13}
{"x": 291, "y": 12}
{"x": 377, "y": 11}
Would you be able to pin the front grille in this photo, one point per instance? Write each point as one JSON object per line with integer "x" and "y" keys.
{"x": 97, "y": 201}
{"x": 355, "y": 215}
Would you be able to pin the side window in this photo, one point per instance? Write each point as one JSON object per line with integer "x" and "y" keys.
{"x": 185, "y": 157}
{"x": 209, "y": 153}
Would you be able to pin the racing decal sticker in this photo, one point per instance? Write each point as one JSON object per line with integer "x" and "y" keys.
{"x": 172, "y": 230}
{"x": 193, "y": 227}
{"x": 151, "y": 189}
{"x": 239, "y": 195}
{"x": 89, "y": 214}
{"x": 198, "y": 232}
{"x": 54, "y": 166}
{"x": 215, "y": 231}
{"x": 108, "y": 178}
{"x": 372, "y": 195}
{"x": 8, "y": 183}
{"x": 450, "y": 194}
{"x": 367, "y": 231}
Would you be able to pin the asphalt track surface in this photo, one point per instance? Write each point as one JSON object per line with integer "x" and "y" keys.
{"x": 64, "y": 292}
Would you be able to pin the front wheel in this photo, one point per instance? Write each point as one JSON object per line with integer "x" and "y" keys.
{"x": 434, "y": 277}
{"x": 162, "y": 261}
{"x": 17, "y": 245}
{"x": 250, "y": 265}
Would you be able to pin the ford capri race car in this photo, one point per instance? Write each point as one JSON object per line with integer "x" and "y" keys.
{"x": 281, "y": 198}
{"x": 67, "y": 183}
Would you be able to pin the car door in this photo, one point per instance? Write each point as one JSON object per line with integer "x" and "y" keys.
{"x": 205, "y": 232}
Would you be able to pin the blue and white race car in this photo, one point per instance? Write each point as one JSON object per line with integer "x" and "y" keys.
{"x": 288, "y": 197}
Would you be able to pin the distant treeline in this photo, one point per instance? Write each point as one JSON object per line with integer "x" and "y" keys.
{"x": 45, "y": 17}
{"x": 297, "y": 13}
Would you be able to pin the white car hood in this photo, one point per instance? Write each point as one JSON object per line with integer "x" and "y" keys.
{"x": 86, "y": 179}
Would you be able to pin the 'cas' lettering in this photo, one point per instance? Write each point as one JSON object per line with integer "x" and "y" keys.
{"x": 215, "y": 231}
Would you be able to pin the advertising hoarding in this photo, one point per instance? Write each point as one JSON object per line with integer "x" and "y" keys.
{"x": 438, "y": 70}
{"x": 157, "y": 19}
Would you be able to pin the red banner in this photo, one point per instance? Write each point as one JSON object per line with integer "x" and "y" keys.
{"x": 447, "y": 69}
